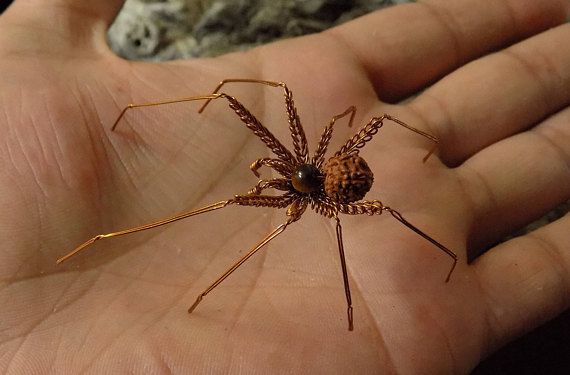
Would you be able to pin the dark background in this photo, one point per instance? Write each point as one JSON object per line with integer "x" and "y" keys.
{"x": 4, "y": 4}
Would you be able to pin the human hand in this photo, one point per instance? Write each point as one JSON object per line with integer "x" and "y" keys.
{"x": 121, "y": 306}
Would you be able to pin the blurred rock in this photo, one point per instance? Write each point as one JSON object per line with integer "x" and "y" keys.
{"x": 171, "y": 29}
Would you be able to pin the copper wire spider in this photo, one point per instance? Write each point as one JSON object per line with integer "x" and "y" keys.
{"x": 331, "y": 188}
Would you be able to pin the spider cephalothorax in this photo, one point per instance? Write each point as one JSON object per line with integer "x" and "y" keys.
{"x": 306, "y": 178}
{"x": 330, "y": 188}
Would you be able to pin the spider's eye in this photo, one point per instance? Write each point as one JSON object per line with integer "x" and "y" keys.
{"x": 307, "y": 178}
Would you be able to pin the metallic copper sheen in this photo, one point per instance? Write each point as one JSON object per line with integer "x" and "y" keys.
{"x": 307, "y": 178}
{"x": 335, "y": 188}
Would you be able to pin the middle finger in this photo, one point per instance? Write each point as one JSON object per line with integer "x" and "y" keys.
{"x": 498, "y": 95}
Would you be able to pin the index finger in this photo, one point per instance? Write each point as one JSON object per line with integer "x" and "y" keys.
{"x": 406, "y": 47}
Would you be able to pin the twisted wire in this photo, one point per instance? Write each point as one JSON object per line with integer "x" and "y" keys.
{"x": 259, "y": 130}
{"x": 318, "y": 159}
{"x": 283, "y": 168}
{"x": 297, "y": 209}
{"x": 364, "y": 135}
{"x": 281, "y": 201}
{"x": 374, "y": 207}
{"x": 300, "y": 145}
{"x": 276, "y": 183}
{"x": 323, "y": 144}
{"x": 323, "y": 205}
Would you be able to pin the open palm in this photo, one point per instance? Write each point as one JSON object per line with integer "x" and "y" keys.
{"x": 502, "y": 121}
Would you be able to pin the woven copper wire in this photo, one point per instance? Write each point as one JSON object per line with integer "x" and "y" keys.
{"x": 287, "y": 165}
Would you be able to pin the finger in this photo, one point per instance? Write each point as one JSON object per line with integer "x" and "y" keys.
{"x": 498, "y": 95}
{"x": 517, "y": 180}
{"x": 525, "y": 281}
{"x": 49, "y": 24}
{"x": 406, "y": 47}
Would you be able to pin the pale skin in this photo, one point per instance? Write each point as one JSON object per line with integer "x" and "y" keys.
{"x": 502, "y": 120}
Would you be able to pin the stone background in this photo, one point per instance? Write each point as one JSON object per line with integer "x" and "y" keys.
{"x": 173, "y": 29}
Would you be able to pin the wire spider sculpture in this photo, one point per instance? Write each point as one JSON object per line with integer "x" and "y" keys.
{"x": 332, "y": 187}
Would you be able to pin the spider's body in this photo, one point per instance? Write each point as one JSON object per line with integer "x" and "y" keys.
{"x": 342, "y": 179}
{"x": 334, "y": 187}
{"x": 306, "y": 178}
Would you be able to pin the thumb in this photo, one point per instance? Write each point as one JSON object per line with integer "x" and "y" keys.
{"x": 57, "y": 26}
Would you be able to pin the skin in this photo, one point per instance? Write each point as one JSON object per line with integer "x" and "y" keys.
{"x": 499, "y": 89}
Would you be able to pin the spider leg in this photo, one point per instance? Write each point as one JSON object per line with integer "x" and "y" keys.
{"x": 259, "y": 130}
{"x": 280, "y": 201}
{"x": 401, "y": 219}
{"x": 163, "y": 102}
{"x": 344, "y": 273}
{"x": 184, "y": 215}
{"x": 365, "y": 134}
{"x": 376, "y": 208}
{"x": 245, "y": 116}
{"x": 235, "y": 266}
{"x": 318, "y": 159}
{"x": 300, "y": 144}
{"x": 281, "y": 167}
{"x": 294, "y": 213}
{"x": 282, "y": 184}
{"x": 239, "y": 80}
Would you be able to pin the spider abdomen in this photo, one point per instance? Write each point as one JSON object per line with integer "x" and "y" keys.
{"x": 347, "y": 178}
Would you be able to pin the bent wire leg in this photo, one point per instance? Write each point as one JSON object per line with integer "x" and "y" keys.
{"x": 259, "y": 130}
{"x": 300, "y": 144}
{"x": 367, "y": 132}
{"x": 282, "y": 184}
{"x": 418, "y": 131}
{"x": 280, "y": 166}
{"x": 401, "y": 219}
{"x": 241, "y": 261}
{"x": 344, "y": 273}
{"x": 211, "y": 207}
{"x": 294, "y": 213}
{"x": 163, "y": 102}
{"x": 375, "y": 207}
{"x": 327, "y": 135}
{"x": 240, "y": 80}
{"x": 245, "y": 116}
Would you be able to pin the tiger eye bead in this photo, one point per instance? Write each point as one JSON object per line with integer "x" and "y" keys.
{"x": 306, "y": 178}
